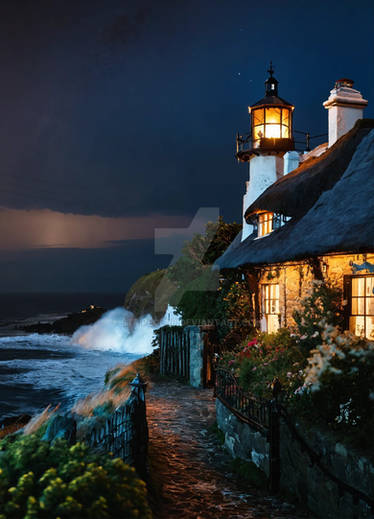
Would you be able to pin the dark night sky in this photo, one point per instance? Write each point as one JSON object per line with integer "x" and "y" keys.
{"x": 118, "y": 117}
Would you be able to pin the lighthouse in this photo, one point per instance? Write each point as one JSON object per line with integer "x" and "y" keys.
{"x": 268, "y": 148}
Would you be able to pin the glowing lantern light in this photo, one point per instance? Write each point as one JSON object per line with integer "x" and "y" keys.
{"x": 272, "y": 119}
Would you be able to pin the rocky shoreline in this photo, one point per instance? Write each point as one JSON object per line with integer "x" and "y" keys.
{"x": 66, "y": 325}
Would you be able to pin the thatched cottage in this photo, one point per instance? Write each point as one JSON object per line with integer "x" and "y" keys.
{"x": 313, "y": 222}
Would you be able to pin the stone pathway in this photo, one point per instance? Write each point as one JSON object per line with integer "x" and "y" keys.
{"x": 190, "y": 472}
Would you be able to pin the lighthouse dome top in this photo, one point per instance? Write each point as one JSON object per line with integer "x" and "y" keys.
{"x": 271, "y": 93}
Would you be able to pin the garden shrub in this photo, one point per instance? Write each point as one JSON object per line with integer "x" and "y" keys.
{"x": 338, "y": 387}
{"x": 43, "y": 481}
{"x": 322, "y": 306}
{"x": 266, "y": 357}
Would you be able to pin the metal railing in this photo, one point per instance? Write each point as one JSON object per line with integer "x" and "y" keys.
{"x": 249, "y": 409}
{"x": 125, "y": 432}
{"x": 244, "y": 142}
{"x": 265, "y": 416}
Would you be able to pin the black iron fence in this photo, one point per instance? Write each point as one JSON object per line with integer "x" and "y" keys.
{"x": 125, "y": 432}
{"x": 249, "y": 409}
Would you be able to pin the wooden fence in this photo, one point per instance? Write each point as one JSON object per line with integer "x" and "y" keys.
{"x": 175, "y": 351}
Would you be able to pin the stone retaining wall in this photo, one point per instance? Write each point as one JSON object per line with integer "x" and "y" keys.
{"x": 241, "y": 440}
{"x": 298, "y": 476}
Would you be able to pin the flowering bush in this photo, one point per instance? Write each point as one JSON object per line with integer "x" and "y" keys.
{"x": 38, "y": 480}
{"x": 321, "y": 306}
{"x": 339, "y": 385}
{"x": 265, "y": 357}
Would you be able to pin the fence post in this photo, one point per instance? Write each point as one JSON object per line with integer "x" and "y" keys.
{"x": 274, "y": 439}
{"x": 140, "y": 432}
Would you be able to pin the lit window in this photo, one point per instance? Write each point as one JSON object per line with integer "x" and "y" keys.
{"x": 265, "y": 224}
{"x": 270, "y": 123}
{"x": 361, "y": 321}
{"x": 270, "y": 306}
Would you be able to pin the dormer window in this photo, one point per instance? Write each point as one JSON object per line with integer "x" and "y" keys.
{"x": 265, "y": 224}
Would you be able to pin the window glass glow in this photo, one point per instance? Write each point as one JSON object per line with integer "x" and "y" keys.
{"x": 361, "y": 321}
{"x": 270, "y": 306}
{"x": 273, "y": 115}
{"x": 273, "y": 131}
{"x": 265, "y": 224}
{"x": 270, "y": 123}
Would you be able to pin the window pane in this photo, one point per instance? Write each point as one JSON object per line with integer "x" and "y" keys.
{"x": 358, "y": 305}
{"x": 257, "y": 116}
{"x": 370, "y": 328}
{"x": 358, "y": 286}
{"x": 370, "y": 305}
{"x": 361, "y": 306}
{"x": 370, "y": 286}
{"x": 272, "y": 323}
{"x": 285, "y": 132}
{"x": 285, "y": 117}
{"x": 357, "y": 325}
{"x": 258, "y": 132}
{"x": 272, "y": 131}
{"x": 272, "y": 115}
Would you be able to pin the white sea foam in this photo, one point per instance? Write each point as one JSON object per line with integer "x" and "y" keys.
{"x": 118, "y": 330}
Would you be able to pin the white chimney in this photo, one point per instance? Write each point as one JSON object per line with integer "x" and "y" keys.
{"x": 345, "y": 105}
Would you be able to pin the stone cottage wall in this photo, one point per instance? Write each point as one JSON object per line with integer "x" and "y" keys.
{"x": 295, "y": 279}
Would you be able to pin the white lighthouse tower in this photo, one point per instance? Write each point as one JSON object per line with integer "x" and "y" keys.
{"x": 265, "y": 147}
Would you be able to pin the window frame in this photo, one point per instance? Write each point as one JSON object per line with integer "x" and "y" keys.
{"x": 349, "y": 297}
{"x": 266, "y": 225}
{"x": 264, "y": 299}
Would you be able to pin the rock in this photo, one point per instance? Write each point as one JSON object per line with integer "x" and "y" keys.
{"x": 67, "y": 325}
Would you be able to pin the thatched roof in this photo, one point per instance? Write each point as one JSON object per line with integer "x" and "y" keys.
{"x": 295, "y": 193}
{"x": 330, "y": 199}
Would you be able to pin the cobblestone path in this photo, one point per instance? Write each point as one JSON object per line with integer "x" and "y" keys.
{"x": 191, "y": 474}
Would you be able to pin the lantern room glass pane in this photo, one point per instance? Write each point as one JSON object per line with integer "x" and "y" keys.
{"x": 285, "y": 132}
{"x": 258, "y": 132}
{"x": 273, "y": 115}
{"x": 272, "y": 131}
{"x": 285, "y": 116}
{"x": 258, "y": 116}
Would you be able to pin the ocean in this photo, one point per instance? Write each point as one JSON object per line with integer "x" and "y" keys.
{"x": 38, "y": 370}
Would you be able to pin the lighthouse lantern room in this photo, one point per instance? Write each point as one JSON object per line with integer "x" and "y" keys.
{"x": 264, "y": 148}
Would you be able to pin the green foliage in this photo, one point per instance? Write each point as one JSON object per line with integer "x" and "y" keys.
{"x": 189, "y": 284}
{"x": 265, "y": 357}
{"x": 321, "y": 306}
{"x": 216, "y": 431}
{"x": 199, "y": 296}
{"x": 249, "y": 473}
{"x": 40, "y": 481}
{"x": 339, "y": 387}
{"x": 140, "y": 299}
{"x": 273, "y": 356}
